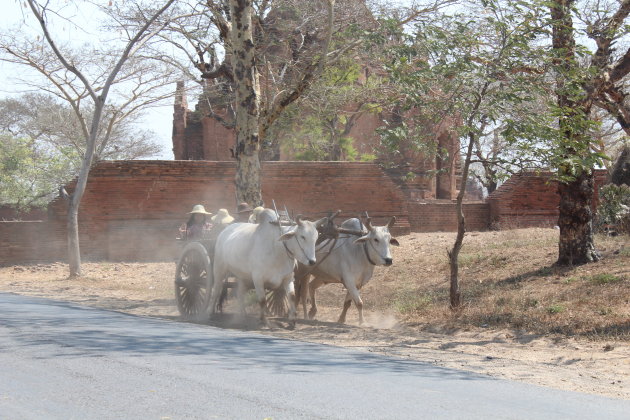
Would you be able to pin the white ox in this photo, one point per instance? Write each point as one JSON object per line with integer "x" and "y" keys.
{"x": 351, "y": 263}
{"x": 262, "y": 256}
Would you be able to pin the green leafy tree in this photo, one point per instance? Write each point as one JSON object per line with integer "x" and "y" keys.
{"x": 473, "y": 71}
{"x": 257, "y": 58}
{"x": 613, "y": 212}
{"x": 584, "y": 79}
{"x": 342, "y": 95}
{"x": 28, "y": 175}
{"x": 51, "y": 146}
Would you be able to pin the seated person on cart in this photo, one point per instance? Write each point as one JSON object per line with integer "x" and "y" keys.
{"x": 196, "y": 227}
{"x": 243, "y": 213}
{"x": 253, "y": 218}
{"x": 222, "y": 218}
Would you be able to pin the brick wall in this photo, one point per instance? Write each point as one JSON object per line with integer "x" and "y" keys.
{"x": 530, "y": 200}
{"x": 131, "y": 209}
{"x": 224, "y": 139}
{"x": 440, "y": 215}
{"x": 141, "y": 240}
{"x": 31, "y": 242}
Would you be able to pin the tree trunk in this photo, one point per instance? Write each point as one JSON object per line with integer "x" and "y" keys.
{"x": 74, "y": 251}
{"x": 72, "y": 229}
{"x": 247, "y": 103}
{"x": 576, "y": 229}
{"x": 492, "y": 187}
{"x": 575, "y": 245}
{"x": 455, "y": 293}
{"x": 335, "y": 149}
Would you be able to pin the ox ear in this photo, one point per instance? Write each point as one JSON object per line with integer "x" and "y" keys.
{"x": 362, "y": 239}
{"x": 287, "y": 236}
{"x": 394, "y": 242}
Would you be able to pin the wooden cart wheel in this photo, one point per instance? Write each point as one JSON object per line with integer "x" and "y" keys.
{"x": 193, "y": 282}
{"x": 277, "y": 302}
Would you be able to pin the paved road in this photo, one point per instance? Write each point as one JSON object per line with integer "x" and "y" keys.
{"x": 62, "y": 361}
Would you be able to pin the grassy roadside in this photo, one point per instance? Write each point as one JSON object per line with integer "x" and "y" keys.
{"x": 508, "y": 280}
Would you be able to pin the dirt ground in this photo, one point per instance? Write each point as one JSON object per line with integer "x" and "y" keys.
{"x": 597, "y": 366}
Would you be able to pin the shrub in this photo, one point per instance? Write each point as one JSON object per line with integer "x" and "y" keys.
{"x": 555, "y": 309}
{"x": 614, "y": 209}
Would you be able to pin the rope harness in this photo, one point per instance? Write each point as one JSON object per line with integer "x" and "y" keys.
{"x": 332, "y": 248}
{"x": 367, "y": 254}
{"x": 313, "y": 267}
{"x": 321, "y": 260}
{"x": 291, "y": 254}
{"x": 335, "y": 237}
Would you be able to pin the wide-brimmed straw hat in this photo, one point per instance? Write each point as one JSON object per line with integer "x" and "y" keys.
{"x": 243, "y": 208}
{"x": 222, "y": 217}
{"x": 255, "y": 213}
{"x": 199, "y": 209}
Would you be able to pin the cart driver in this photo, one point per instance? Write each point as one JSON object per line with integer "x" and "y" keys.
{"x": 243, "y": 213}
{"x": 196, "y": 227}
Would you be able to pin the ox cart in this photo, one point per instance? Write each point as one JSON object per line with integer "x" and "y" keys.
{"x": 193, "y": 272}
{"x": 194, "y": 279}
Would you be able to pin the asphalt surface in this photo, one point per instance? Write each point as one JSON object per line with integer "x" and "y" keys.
{"x": 62, "y": 361}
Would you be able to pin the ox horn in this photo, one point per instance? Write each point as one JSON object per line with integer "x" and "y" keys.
{"x": 391, "y": 222}
{"x": 298, "y": 219}
{"x": 368, "y": 224}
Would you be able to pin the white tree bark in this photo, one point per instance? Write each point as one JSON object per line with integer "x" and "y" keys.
{"x": 74, "y": 252}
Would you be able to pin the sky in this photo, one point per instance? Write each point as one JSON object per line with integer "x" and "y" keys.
{"x": 14, "y": 15}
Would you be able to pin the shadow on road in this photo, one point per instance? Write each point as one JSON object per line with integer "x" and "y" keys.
{"x": 86, "y": 332}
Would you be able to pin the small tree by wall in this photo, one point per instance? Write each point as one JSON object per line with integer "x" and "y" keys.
{"x": 97, "y": 94}
{"x": 477, "y": 69}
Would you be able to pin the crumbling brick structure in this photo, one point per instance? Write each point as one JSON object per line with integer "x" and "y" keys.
{"x": 199, "y": 137}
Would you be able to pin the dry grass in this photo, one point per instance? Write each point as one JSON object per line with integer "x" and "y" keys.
{"x": 508, "y": 280}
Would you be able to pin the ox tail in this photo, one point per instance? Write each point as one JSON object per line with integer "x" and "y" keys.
{"x": 277, "y": 303}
